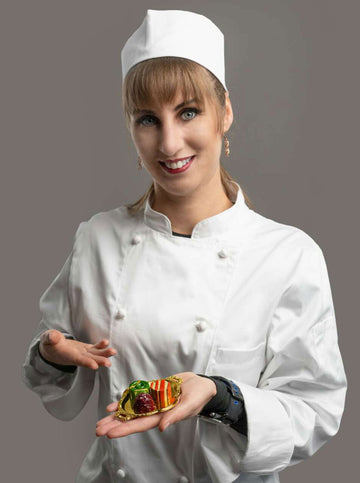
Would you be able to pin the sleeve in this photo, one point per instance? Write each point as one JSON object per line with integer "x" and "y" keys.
{"x": 298, "y": 402}
{"x": 63, "y": 394}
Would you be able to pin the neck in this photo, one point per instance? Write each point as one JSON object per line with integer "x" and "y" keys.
{"x": 185, "y": 211}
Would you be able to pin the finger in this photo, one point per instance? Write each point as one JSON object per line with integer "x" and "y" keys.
{"x": 112, "y": 407}
{"x": 105, "y": 420}
{"x": 106, "y": 426}
{"x": 137, "y": 425}
{"x": 102, "y": 352}
{"x": 51, "y": 337}
{"x": 101, "y": 361}
{"x": 85, "y": 361}
{"x": 103, "y": 343}
{"x": 90, "y": 360}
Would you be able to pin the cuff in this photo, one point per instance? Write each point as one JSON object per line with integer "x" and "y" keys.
{"x": 220, "y": 402}
{"x": 270, "y": 442}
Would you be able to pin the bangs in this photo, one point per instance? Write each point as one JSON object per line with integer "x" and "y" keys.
{"x": 160, "y": 80}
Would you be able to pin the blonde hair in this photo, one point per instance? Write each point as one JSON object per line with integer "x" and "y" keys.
{"x": 158, "y": 80}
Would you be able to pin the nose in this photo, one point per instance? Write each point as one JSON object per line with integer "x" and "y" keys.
{"x": 170, "y": 139}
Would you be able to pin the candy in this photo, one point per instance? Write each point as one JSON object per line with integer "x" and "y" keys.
{"x": 144, "y": 403}
{"x": 145, "y": 398}
{"x": 136, "y": 388}
{"x": 161, "y": 391}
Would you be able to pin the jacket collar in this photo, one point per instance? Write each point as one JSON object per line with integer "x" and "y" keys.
{"x": 209, "y": 227}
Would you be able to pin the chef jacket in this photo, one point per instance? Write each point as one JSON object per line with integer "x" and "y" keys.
{"x": 245, "y": 297}
{"x": 220, "y": 403}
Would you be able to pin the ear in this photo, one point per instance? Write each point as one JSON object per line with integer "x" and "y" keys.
{"x": 228, "y": 118}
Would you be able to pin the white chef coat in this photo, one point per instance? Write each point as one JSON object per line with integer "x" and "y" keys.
{"x": 245, "y": 297}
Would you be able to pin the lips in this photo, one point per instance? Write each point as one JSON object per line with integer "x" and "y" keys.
{"x": 178, "y": 170}
{"x": 174, "y": 160}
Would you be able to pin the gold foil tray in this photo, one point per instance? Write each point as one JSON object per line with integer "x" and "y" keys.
{"x": 125, "y": 411}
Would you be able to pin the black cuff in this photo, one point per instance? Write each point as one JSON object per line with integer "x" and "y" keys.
{"x": 60, "y": 367}
{"x": 241, "y": 425}
{"x": 221, "y": 402}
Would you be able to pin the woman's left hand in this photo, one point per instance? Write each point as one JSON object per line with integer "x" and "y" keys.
{"x": 196, "y": 392}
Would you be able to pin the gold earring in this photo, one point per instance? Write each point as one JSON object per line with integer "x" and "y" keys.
{"x": 139, "y": 163}
{"x": 227, "y": 146}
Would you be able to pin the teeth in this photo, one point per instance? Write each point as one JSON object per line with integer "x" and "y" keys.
{"x": 178, "y": 164}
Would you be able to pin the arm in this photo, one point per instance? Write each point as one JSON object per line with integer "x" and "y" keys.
{"x": 298, "y": 402}
{"x": 63, "y": 394}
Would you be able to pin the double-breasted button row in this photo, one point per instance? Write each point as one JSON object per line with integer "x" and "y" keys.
{"x": 136, "y": 239}
{"x": 121, "y": 473}
{"x": 200, "y": 324}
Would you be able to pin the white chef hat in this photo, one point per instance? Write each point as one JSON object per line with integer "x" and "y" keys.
{"x": 176, "y": 33}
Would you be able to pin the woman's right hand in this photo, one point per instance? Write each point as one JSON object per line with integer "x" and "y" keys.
{"x": 54, "y": 347}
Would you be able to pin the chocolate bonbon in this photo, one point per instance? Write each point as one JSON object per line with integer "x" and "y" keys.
{"x": 138, "y": 387}
{"x": 162, "y": 393}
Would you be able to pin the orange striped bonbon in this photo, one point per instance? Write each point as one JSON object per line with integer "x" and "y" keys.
{"x": 161, "y": 392}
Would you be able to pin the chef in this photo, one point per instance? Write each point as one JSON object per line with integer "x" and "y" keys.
{"x": 190, "y": 281}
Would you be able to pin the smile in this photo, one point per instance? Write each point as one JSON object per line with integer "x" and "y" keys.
{"x": 177, "y": 166}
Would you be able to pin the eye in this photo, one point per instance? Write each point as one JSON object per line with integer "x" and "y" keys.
{"x": 190, "y": 113}
{"x": 143, "y": 121}
{"x": 148, "y": 121}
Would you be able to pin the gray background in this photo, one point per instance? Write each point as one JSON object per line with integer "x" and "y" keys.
{"x": 293, "y": 75}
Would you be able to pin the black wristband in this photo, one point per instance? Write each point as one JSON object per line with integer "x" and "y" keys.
{"x": 233, "y": 413}
{"x": 60, "y": 367}
{"x": 220, "y": 402}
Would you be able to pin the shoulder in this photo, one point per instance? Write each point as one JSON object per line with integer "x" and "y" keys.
{"x": 286, "y": 239}
{"x": 297, "y": 262}
{"x": 107, "y": 225}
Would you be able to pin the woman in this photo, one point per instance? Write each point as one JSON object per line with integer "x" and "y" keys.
{"x": 190, "y": 281}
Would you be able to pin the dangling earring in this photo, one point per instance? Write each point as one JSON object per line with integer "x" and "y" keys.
{"x": 139, "y": 163}
{"x": 227, "y": 146}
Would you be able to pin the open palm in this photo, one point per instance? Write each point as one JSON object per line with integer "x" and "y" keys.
{"x": 196, "y": 392}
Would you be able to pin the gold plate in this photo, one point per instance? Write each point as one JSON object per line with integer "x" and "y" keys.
{"x": 125, "y": 412}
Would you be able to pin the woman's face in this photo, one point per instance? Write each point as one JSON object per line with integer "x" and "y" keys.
{"x": 179, "y": 131}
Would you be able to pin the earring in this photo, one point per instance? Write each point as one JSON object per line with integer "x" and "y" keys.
{"x": 139, "y": 163}
{"x": 227, "y": 146}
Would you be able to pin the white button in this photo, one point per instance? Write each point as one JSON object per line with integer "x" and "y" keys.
{"x": 222, "y": 253}
{"x": 121, "y": 313}
{"x": 201, "y": 325}
{"x": 121, "y": 473}
{"x": 136, "y": 239}
{"x": 183, "y": 479}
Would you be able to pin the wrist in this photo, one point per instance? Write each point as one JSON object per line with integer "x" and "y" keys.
{"x": 212, "y": 388}
{"x": 221, "y": 398}
{"x": 227, "y": 405}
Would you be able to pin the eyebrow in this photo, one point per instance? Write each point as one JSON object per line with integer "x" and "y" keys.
{"x": 179, "y": 106}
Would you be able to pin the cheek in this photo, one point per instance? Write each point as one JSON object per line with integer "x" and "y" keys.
{"x": 205, "y": 135}
{"x": 144, "y": 142}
